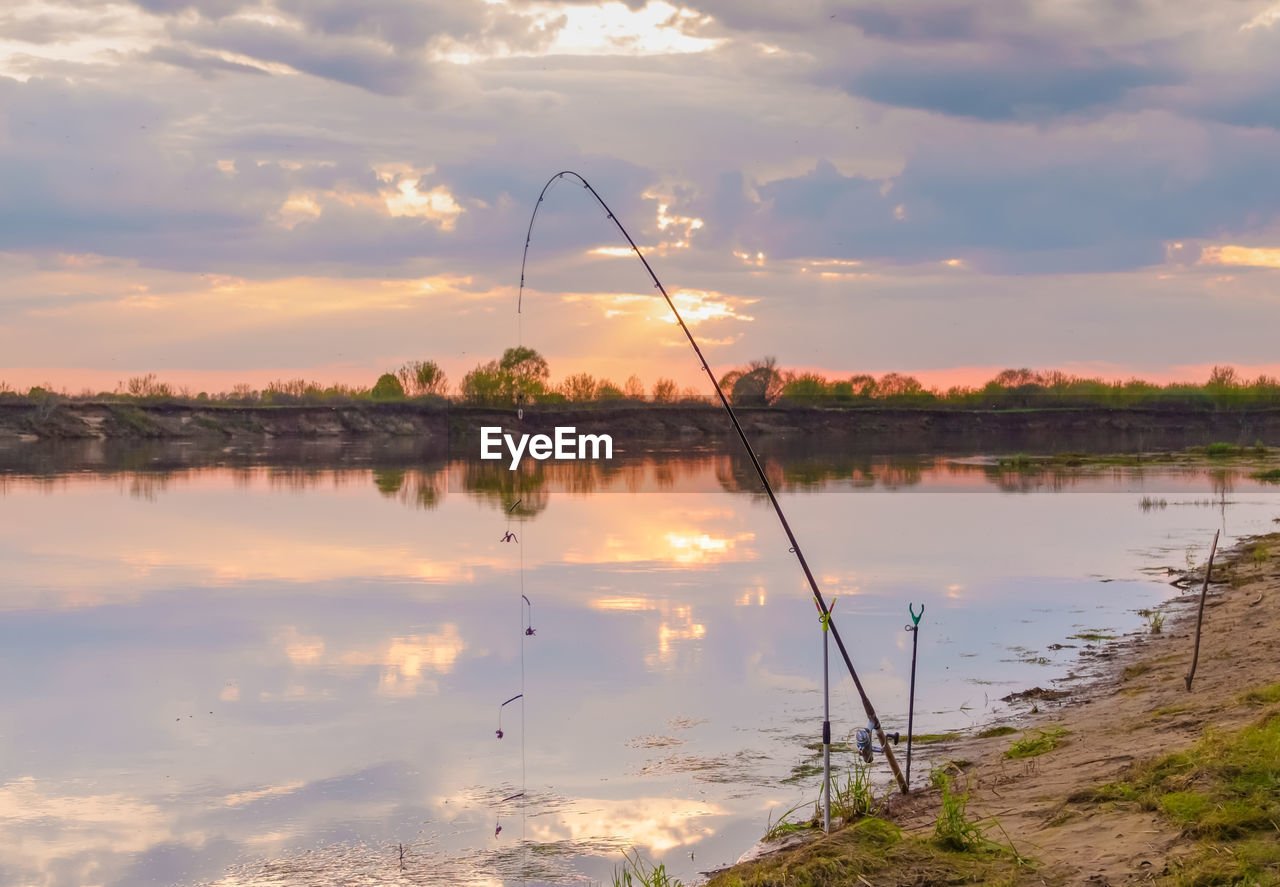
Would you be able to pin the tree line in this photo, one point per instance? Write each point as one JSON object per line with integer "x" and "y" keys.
{"x": 523, "y": 376}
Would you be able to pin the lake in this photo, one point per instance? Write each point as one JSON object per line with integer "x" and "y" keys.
{"x": 285, "y": 663}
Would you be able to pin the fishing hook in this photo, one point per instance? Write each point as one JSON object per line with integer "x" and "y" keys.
{"x": 500, "y": 707}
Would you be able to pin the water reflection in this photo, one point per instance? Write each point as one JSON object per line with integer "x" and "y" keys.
{"x": 220, "y": 670}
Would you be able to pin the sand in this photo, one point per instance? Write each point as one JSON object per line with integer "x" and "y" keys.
{"x": 1137, "y": 708}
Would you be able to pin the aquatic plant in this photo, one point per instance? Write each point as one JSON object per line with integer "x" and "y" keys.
{"x": 785, "y": 825}
{"x": 637, "y": 870}
{"x": 855, "y": 797}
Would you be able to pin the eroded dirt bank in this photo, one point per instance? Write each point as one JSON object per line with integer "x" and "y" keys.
{"x": 1041, "y": 430}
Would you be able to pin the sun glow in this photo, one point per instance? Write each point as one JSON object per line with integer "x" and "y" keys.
{"x": 437, "y": 204}
{"x": 612, "y": 28}
{"x": 658, "y": 824}
{"x": 1264, "y": 19}
{"x": 695, "y": 306}
{"x": 1242, "y": 256}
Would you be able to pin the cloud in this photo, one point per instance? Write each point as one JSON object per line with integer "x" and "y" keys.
{"x": 403, "y": 24}
{"x": 354, "y": 61}
{"x": 899, "y": 22}
{"x": 205, "y": 8}
{"x": 1025, "y": 85}
{"x": 205, "y": 64}
{"x": 214, "y": 138}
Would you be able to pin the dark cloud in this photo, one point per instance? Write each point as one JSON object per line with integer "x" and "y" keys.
{"x": 204, "y": 64}
{"x": 1033, "y": 84}
{"x": 940, "y": 24}
{"x": 399, "y": 23}
{"x": 721, "y": 135}
{"x": 1255, "y": 107}
{"x": 352, "y": 61}
{"x": 1112, "y": 206}
{"x": 213, "y": 9}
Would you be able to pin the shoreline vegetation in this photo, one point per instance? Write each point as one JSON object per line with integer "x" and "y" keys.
{"x": 1016, "y": 406}
{"x": 1127, "y": 778}
{"x": 522, "y": 377}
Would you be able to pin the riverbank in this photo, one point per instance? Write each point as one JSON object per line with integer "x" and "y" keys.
{"x": 1130, "y": 778}
{"x": 1047, "y": 430}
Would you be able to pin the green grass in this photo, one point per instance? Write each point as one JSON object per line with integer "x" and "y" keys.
{"x": 953, "y": 829}
{"x": 1137, "y": 670}
{"x": 1016, "y": 462}
{"x": 1221, "y": 449}
{"x": 785, "y": 824}
{"x": 1003, "y": 730}
{"x": 1271, "y": 476}
{"x": 1036, "y": 742}
{"x": 134, "y": 420}
{"x": 636, "y": 870}
{"x": 873, "y": 851}
{"x": 804, "y": 771}
{"x": 1262, "y": 695}
{"x": 854, "y": 798}
{"x": 1093, "y": 636}
{"x": 1223, "y": 792}
{"x": 919, "y": 738}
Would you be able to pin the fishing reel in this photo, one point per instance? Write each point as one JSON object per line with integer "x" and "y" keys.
{"x": 863, "y": 739}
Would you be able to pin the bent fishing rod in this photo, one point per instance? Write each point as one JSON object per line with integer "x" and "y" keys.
{"x": 872, "y": 718}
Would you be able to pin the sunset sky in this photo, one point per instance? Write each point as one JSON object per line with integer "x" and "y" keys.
{"x": 221, "y": 191}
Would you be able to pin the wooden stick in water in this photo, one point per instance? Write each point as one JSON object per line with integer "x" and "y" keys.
{"x": 1204, "y": 591}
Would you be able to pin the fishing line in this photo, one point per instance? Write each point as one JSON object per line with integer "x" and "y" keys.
{"x": 524, "y": 635}
{"x": 526, "y": 632}
{"x": 873, "y": 719}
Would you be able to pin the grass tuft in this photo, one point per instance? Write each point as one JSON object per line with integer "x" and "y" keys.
{"x": 1262, "y": 695}
{"x": 1224, "y": 791}
{"x": 1136, "y": 670}
{"x": 1036, "y": 742}
{"x": 636, "y": 870}
{"x": 954, "y": 830}
{"x": 1002, "y": 730}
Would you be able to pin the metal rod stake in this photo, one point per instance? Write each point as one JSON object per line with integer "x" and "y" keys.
{"x": 826, "y": 738}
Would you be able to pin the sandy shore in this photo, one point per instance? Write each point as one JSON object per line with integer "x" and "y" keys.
{"x": 1135, "y": 709}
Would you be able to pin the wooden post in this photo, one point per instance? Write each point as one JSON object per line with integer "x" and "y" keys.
{"x": 1195, "y": 657}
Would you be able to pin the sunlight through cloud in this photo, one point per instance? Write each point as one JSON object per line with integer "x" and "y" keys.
{"x": 1242, "y": 256}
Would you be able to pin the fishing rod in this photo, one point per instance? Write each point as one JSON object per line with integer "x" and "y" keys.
{"x": 873, "y": 720}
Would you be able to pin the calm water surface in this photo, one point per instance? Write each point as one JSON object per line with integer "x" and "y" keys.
{"x": 218, "y": 671}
